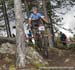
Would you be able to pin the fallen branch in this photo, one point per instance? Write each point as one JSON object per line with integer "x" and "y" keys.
{"x": 6, "y": 39}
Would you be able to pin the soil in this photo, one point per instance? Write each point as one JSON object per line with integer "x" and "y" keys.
{"x": 64, "y": 59}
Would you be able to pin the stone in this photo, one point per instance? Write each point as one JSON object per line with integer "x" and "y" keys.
{"x": 8, "y": 48}
{"x": 34, "y": 57}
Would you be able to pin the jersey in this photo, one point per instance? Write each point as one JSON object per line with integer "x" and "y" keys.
{"x": 35, "y": 18}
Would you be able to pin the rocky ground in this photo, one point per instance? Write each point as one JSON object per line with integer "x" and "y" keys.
{"x": 7, "y": 56}
{"x": 57, "y": 57}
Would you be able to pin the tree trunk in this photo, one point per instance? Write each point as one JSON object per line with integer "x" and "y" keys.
{"x": 21, "y": 46}
{"x": 9, "y": 40}
{"x": 50, "y": 29}
{"x": 6, "y": 18}
{"x": 26, "y": 6}
{"x": 44, "y": 7}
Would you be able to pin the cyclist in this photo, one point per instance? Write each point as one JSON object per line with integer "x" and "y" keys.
{"x": 35, "y": 20}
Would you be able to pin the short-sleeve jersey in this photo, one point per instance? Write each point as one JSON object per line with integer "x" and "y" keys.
{"x": 35, "y": 18}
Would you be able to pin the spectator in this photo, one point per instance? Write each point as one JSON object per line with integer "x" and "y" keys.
{"x": 63, "y": 38}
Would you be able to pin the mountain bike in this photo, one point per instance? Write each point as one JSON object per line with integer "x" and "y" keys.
{"x": 40, "y": 40}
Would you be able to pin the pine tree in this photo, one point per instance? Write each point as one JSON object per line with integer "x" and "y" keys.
{"x": 6, "y": 18}
{"x": 20, "y": 52}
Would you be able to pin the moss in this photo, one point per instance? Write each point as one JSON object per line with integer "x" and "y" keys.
{"x": 12, "y": 67}
{"x": 72, "y": 46}
{"x": 37, "y": 65}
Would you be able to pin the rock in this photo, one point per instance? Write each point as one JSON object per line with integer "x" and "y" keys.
{"x": 67, "y": 60}
{"x": 34, "y": 57}
{"x": 8, "y": 48}
{"x": 5, "y": 67}
{"x": 7, "y": 60}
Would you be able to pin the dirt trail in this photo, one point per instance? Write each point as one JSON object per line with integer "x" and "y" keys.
{"x": 63, "y": 58}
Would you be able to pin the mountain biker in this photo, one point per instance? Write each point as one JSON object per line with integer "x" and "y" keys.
{"x": 35, "y": 21}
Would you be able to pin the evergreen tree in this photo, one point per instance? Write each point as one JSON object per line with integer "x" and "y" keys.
{"x": 21, "y": 47}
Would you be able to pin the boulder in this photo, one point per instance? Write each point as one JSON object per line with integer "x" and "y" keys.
{"x": 35, "y": 58}
{"x": 8, "y": 48}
